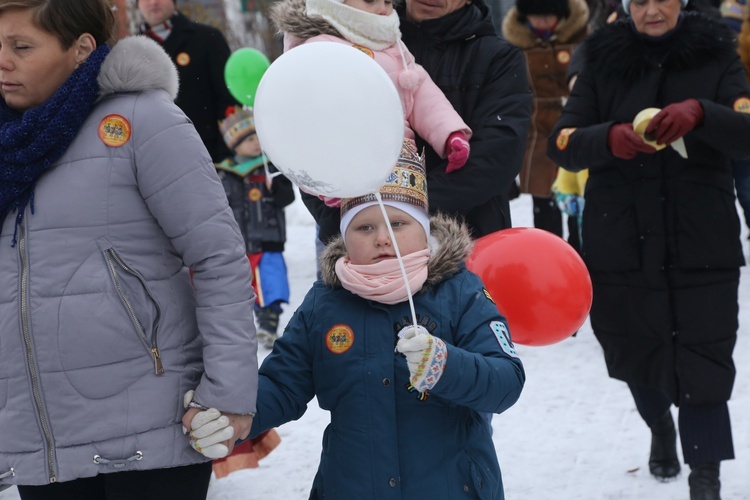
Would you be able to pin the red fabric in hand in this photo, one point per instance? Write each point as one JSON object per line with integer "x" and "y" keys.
{"x": 624, "y": 143}
{"x": 674, "y": 121}
{"x": 330, "y": 201}
{"x": 458, "y": 151}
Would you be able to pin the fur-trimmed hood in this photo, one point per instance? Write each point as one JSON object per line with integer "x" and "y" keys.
{"x": 135, "y": 64}
{"x": 568, "y": 28}
{"x": 290, "y": 17}
{"x": 450, "y": 243}
{"x": 618, "y": 50}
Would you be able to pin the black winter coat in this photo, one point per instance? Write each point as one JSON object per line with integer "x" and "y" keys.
{"x": 200, "y": 53}
{"x": 658, "y": 225}
{"x": 484, "y": 77}
{"x": 259, "y": 211}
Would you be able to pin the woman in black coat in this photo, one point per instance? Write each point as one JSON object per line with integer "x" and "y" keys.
{"x": 661, "y": 230}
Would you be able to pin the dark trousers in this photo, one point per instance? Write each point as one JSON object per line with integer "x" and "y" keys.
{"x": 548, "y": 216}
{"x": 705, "y": 430}
{"x": 189, "y": 482}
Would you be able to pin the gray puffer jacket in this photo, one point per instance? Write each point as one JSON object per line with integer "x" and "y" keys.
{"x": 101, "y": 330}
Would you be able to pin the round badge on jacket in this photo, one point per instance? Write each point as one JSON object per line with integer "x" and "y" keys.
{"x": 183, "y": 59}
{"x": 365, "y": 50}
{"x": 339, "y": 339}
{"x": 114, "y": 130}
{"x": 563, "y": 137}
{"x": 742, "y": 105}
{"x": 563, "y": 57}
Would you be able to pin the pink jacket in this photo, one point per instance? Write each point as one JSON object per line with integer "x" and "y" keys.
{"x": 426, "y": 109}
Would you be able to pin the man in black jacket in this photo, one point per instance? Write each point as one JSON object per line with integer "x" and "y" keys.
{"x": 200, "y": 53}
{"x": 484, "y": 77}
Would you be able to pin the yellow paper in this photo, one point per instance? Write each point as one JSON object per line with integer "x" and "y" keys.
{"x": 640, "y": 123}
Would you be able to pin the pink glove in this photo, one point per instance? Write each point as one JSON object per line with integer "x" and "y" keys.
{"x": 458, "y": 151}
{"x": 330, "y": 201}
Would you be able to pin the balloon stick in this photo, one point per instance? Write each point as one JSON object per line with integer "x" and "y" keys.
{"x": 398, "y": 257}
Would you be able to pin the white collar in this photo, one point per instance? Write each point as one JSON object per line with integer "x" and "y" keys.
{"x": 359, "y": 27}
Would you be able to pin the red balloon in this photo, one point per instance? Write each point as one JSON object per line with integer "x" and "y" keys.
{"x": 538, "y": 281}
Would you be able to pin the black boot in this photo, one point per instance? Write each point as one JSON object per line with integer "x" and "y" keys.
{"x": 268, "y": 324}
{"x": 704, "y": 481}
{"x": 663, "y": 462}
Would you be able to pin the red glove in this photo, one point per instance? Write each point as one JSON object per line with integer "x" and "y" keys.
{"x": 624, "y": 143}
{"x": 458, "y": 151}
{"x": 674, "y": 121}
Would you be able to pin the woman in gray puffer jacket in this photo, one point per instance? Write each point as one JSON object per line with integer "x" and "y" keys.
{"x": 107, "y": 198}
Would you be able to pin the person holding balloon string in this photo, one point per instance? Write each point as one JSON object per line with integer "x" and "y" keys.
{"x": 406, "y": 418}
{"x": 373, "y": 28}
{"x": 661, "y": 230}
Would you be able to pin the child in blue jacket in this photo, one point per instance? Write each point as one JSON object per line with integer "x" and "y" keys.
{"x": 405, "y": 402}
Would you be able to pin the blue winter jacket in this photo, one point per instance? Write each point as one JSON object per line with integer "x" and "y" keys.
{"x": 383, "y": 441}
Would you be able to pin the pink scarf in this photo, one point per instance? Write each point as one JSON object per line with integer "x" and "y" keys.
{"x": 383, "y": 281}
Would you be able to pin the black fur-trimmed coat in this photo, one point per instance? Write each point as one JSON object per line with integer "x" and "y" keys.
{"x": 659, "y": 223}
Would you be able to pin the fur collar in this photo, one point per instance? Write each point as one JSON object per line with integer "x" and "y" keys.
{"x": 452, "y": 246}
{"x": 290, "y": 17}
{"x": 520, "y": 35}
{"x": 135, "y": 64}
{"x": 620, "y": 52}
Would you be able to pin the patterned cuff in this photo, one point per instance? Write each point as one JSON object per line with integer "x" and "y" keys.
{"x": 431, "y": 366}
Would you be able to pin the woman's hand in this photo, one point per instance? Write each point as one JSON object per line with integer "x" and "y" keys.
{"x": 624, "y": 143}
{"x": 212, "y": 433}
{"x": 674, "y": 121}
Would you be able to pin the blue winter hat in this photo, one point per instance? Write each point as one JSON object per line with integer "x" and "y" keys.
{"x": 626, "y": 5}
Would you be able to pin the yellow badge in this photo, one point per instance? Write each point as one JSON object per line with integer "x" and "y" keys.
{"x": 563, "y": 57}
{"x": 114, "y": 130}
{"x": 254, "y": 194}
{"x": 365, "y": 50}
{"x": 487, "y": 294}
{"x": 339, "y": 339}
{"x": 563, "y": 138}
{"x": 742, "y": 105}
{"x": 183, "y": 59}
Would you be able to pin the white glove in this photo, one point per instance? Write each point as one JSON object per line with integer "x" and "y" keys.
{"x": 425, "y": 356}
{"x": 208, "y": 430}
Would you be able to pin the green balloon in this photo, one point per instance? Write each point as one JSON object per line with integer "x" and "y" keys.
{"x": 242, "y": 73}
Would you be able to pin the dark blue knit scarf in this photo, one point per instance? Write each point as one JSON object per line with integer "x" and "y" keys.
{"x": 31, "y": 142}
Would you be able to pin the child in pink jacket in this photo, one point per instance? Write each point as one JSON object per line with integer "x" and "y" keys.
{"x": 373, "y": 27}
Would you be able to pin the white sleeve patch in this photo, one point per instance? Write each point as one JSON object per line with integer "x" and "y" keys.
{"x": 503, "y": 338}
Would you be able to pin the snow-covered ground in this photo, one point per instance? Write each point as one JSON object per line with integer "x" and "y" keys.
{"x": 573, "y": 435}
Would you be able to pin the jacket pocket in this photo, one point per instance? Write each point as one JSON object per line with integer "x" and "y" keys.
{"x": 108, "y": 326}
{"x": 610, "y": 231}
{"x": 3, "y": 379}
{"x": 707, "y": 228}
{"x": 478, "y": 480}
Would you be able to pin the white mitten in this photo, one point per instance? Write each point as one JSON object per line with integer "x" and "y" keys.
{"x": 209, "y": 430}
{"x": 425, "y": 356}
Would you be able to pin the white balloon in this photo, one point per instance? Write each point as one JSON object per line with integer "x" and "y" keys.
{"x": 329, "y": 118}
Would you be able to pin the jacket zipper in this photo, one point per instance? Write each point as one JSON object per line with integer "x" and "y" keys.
{"x": 30, "y": 356}
{"x": 151, "y": 345}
